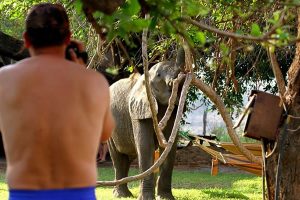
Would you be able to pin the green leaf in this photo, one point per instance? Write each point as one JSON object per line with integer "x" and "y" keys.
{"x": 240, "y": 32}
{"x": 296, "y": 2}
{"x": 194, "y": 8}
{"x": 109, "y": 20}
{"x": 132, "y": 8}
{"x": 276, "y": 15}
{"x": 153, "y": 23}
{"x": 98, "y": 14}
{"x": 224, "y": 48}
{"x": 139, "y": 24}
{"x": 133, "y": 25}
{"x": 168, "y": 28}
{"x": 112, "y": 70}
{"x": 78, "y": 5}
{"x": 283, "y": 36}
{"x": 255, "y": 30}
{"x": 200, "y": 36}
{"x": 130, "y": 68}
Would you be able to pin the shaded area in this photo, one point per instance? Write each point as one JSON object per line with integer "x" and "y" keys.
{"x": 11, "y": 47}
{"x": 2, "y": 153}
{"x": 227, "y": 194}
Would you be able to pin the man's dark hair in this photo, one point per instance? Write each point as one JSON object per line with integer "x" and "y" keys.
{"x": 47, "y": 25}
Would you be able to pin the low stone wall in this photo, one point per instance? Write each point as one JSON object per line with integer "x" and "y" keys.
{"x": 192, "y": 157}
{"x": 187, "y": 157}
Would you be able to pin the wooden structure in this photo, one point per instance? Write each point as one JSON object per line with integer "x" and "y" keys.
{"x": 229, "y": 154}
{"x": 264, "y": 117}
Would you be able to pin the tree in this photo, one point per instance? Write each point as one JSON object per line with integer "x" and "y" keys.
{"x": 227, "y": 57}
{"x": 204, "y": 122}
{"x": 283, "y": 165}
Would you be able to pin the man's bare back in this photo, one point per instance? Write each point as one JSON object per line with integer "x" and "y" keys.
{"x": 52, "y": 115}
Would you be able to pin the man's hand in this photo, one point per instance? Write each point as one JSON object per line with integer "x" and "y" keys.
{"x": 80, "y": 56}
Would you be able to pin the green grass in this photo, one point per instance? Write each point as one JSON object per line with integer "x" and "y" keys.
{"x": 187, "y": 185}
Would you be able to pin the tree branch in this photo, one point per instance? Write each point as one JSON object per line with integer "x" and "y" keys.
{"x": 277, "y": 73}
{"x": 203, "y": 26}
{"x": 188, "y": 56}
{"x": 163, "y": 122}
{"x": 160, "y": 136}
{"x": 107, "y": 7}
{"x": 233, "y": 54}
{"x": 101, "y": 30}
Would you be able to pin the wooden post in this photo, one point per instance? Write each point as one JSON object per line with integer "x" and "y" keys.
{"x": 214, "y": 166}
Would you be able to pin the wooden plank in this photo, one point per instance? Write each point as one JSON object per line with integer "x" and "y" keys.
{"x": 235, "y": 160}
{"x": 253, "y": 147}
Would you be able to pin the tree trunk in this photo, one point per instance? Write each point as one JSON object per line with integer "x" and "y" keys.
{"x": 288, "y": 140}
{"x": 11, "y": 47}
{"x": 204, "y": 122}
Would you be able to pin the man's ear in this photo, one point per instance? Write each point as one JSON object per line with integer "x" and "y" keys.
{"x": 27, "y": 42}
{"x": 68, "y": 39}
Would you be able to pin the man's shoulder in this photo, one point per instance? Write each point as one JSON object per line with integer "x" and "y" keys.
{"x": 7, "y": 67}
{"x": 5, "y": 70}
{"x": 95, "y": 80}
{"x": 13, "y": 66}
{"x": 6, "y": 73}
{"x": 96, "y": 87}
{"x": 96, "y": 76}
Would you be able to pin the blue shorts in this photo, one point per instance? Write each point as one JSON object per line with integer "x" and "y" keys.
{"x": 53, "y": 194}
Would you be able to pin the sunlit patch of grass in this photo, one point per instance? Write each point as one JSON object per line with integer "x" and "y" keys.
{"x": 187, "y": 185}
{"x": 3, "y": 185}
{"x": 199, "y": 185}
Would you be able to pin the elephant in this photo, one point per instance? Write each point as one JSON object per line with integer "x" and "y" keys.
{"x": 134, "y": 134}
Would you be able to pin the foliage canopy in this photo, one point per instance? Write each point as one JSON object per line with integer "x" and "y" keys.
{"x": 231, "y": 65}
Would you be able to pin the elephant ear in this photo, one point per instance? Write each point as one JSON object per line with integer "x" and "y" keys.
{"x": 139, "y": 106}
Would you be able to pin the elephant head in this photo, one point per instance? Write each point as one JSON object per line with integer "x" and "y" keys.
{"x": 161, "y": 78}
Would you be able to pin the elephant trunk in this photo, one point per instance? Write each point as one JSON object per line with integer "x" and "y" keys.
{"x": 180, "y": 59}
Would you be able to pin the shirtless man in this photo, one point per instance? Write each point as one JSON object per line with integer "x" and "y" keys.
{"x": 53, "y": 114}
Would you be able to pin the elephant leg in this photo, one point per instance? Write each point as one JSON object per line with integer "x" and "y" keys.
{"x": 164, "y": 185}
{"x": 143, "y": 135}
{"x": 121, "y": 164}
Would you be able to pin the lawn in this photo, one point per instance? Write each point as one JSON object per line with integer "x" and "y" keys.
{"x": 187, "y": 185}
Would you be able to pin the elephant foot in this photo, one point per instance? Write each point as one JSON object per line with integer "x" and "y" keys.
{"x": 146, "y": 196}
{"x": 122, "y": 193}
{"x": 165, "y": 196}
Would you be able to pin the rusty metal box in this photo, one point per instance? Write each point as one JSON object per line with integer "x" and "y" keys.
{"x": 264, "y": 117}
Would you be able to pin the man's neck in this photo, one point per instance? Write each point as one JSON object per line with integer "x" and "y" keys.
{"x": 58, "y": 51}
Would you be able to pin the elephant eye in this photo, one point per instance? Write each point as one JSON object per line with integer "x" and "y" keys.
{"x": 158, "y": 74}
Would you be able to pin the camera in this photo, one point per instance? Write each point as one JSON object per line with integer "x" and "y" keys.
{"x": 83, "y": 55}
